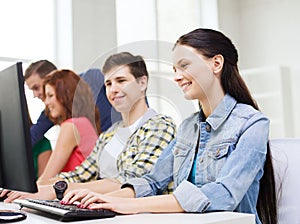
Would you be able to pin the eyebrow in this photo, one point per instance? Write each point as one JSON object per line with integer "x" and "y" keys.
{"x": 116, "y": 78}
{"x": 180, "y": 61}
{"x": 35, "y": 86}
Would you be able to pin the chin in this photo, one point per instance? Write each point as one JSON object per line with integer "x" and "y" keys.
{"x": 119, "y": 109}
{"x": 188, "y": 97}
{"x": 53, "y": 115}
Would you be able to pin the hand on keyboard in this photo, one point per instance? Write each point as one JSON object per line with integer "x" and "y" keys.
{"x": 65, "y": 212}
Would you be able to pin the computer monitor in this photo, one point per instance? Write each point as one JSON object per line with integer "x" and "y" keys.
{"x": 16, "y": 159}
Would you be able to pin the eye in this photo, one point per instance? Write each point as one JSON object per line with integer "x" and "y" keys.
{"x": 183, "y": 65}
{"x": 108, "y": 84}
{"x": 49, "y": 95}
{"x": 121, "y": 80}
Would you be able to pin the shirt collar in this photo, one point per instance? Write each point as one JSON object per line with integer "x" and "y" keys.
{"x": 221, "y": 112}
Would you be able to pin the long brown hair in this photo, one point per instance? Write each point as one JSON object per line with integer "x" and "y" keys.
{"x": 210, "y": 43}
{"x": 75, "y": 95}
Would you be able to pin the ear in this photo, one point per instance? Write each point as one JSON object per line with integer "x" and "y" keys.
{"x": 218, "y": 62}
{"x": 143, "y": 82}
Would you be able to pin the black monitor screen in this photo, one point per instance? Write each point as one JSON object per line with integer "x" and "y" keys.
{"x": 16, "y": 161}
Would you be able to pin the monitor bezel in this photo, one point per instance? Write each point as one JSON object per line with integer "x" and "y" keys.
{"x": 26, "y": 180}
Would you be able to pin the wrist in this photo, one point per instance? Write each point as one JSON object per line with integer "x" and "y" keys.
{"x": 60, "y": 188}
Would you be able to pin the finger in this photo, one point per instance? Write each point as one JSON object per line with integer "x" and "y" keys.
{"x": 4, "y": 192}
{"x": 66, "y": 199}
{"x": 90, "y": 200}
{"x": 11, "y": 196}
{"x": 74, "y": 196}
{"x": 101, "y": 206}
{"x": 88, "y": 197}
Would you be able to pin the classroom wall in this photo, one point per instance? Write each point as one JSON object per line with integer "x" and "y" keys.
{"x": 267, "y": 34}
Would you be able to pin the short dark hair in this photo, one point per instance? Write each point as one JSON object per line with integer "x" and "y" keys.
{"x": 41, "y": 67}
{"x": 136, "y": 64}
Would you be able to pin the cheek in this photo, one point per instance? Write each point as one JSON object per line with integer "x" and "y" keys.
{"x": 203, "y": 76}
{"x": 131, "y": 88}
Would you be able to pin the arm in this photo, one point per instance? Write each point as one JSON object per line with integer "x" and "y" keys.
{"x": 38, "y": 130}
{"x": 151, "y": 144}
{"x": 42, "y": 161}
{"x": 154, "y": 204}
{"x": 88, "y": 169}
{"x": 67, "y": 140}
{"x": 149, "y": 184}
{"x": 162, "y": 203}
{"x": 153, "y": 183}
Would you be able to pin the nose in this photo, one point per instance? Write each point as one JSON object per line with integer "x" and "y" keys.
{"x": 178, "y": 75}
{"x": 35, "y": 93}
{"x": 46, "y": 101}
{"x": 113, "y": 88}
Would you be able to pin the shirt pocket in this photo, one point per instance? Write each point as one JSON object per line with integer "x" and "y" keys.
{"x": 181, "y": 154}
{"x": 211, "y": 161}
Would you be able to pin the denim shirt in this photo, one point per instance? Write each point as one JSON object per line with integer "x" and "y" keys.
{"x": 231, "y": 155}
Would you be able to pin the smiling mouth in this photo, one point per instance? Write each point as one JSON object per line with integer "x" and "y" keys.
{"x": 50, "y": 109}
{"x": 117, "y": 98}
{"x": 186, "y": 85}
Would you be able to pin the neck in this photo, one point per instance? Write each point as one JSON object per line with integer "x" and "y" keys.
{"x": 136, "y": 112}
{"x": 209, "y": 103}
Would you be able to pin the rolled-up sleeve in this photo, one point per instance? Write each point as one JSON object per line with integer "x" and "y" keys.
{"x": 191, "y": 198}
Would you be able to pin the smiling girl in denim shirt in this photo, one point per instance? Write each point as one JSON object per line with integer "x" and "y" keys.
{"x": 220, "y": 160}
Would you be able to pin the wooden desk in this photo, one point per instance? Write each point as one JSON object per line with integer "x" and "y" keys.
{"x": 35, "y": 217}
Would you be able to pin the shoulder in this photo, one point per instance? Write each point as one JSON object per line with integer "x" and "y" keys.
{"x": 78, "y": 121}
{"x": 193, "y": 118}
{"x": 246, "y": 111}
{"x": 160, "y": 120}
{"x": 67, "y": 125}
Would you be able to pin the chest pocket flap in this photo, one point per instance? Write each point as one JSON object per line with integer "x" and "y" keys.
{"x": 218, "y": 152}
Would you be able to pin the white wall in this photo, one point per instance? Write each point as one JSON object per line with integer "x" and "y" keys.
{"x": 94, "y": 31}
{"x": 267, "y": 34}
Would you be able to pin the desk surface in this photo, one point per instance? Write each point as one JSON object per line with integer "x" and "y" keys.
{"x": 35, "y": 217}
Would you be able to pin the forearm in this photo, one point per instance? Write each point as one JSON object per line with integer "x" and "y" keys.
{"x": 156, "y": 204}
{"x": 51, "y": 181}
{"x": 126, "y": 192}
{"x": 102, "y": 186}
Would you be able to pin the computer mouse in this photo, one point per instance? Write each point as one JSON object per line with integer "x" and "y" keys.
{"x": 11, "y": 215}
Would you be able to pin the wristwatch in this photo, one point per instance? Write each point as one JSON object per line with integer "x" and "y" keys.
{"x": 60, "y": 187}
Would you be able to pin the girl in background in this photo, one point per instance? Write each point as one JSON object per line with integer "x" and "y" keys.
{"x": 70, "y": 104}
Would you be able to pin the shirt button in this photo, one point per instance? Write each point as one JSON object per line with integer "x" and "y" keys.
{"x": 207, "y": 127}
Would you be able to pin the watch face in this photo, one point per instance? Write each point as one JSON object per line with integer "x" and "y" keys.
{"x": 61, "y": 185}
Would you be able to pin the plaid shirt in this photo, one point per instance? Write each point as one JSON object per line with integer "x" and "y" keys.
{"x": 140, "y": 153}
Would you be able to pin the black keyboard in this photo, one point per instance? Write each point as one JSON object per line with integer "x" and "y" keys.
{"x": 64, "y": 212}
